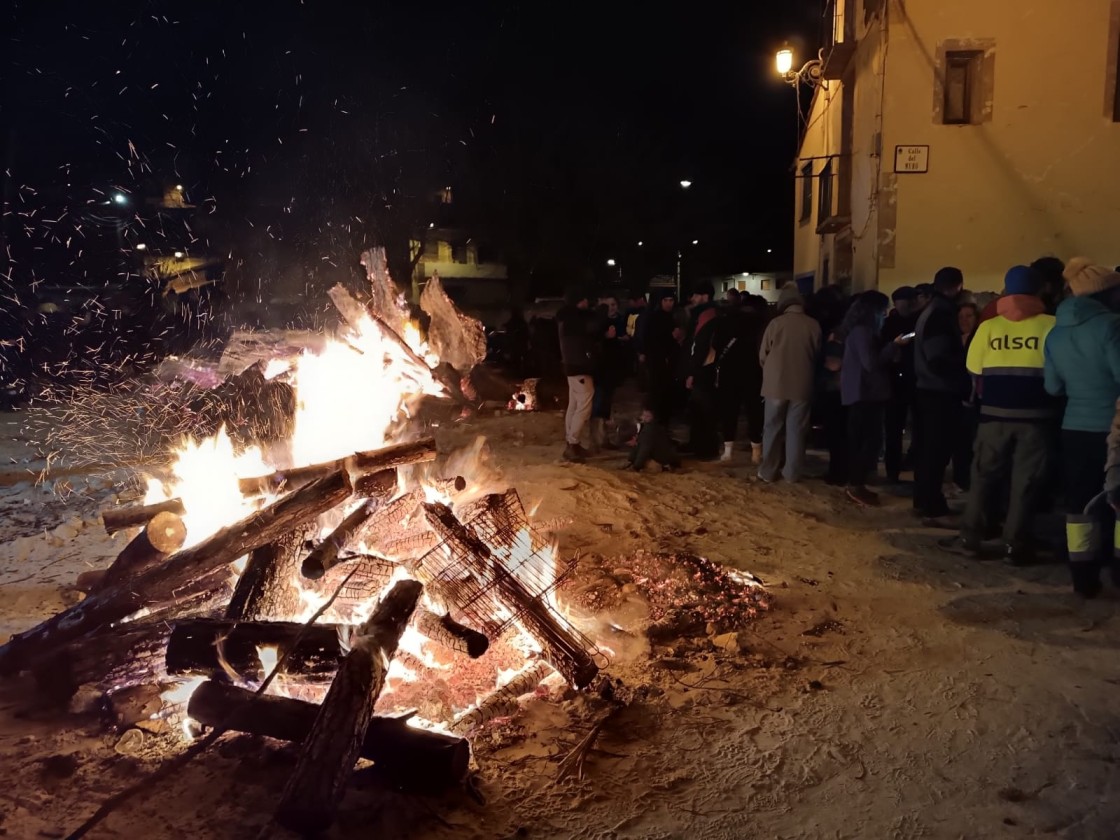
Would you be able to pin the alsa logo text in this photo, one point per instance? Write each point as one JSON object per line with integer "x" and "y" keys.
{"x": 1008, "y": 342}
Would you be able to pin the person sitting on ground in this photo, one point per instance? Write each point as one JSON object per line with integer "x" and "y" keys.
{"x": 654, "y": 444}
{"x": 1013, "y": 436}
{"x": 1083, "y": 365}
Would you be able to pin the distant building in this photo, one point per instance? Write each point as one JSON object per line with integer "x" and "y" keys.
{"x": 975, "y": 134}
{"x": 472, "y": 274}
{"x": 766, "y": 284}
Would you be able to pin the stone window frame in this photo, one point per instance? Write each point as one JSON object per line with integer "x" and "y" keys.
{"x": 982, "y": 90}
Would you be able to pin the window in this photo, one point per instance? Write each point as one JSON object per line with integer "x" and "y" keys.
{"x": 962, "y": 68}
{"x": 458, "y": 252}
{"x": 964, "y": 81}
{"x": 824, "y": 194}
{"x": 806, "y": 191}
{"x": 767, "y": 284}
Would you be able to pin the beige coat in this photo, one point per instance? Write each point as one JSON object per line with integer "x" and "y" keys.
{"x": 789, "y": 353}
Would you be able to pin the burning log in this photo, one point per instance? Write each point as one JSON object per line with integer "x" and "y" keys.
{"x": 371, "y": 575}
{"x": 325, "y": 555}
{"x": 331, "y": 748}
{"x": 503, "y": 701}
{"x": 381, "y": 485}
{"x": 161, "y": 584}
{"x": 391, "y": 522}
{"x": 416, "y": 759}
{"x": 359, "y": 464}
{"x": 267, "y": 588}
{"x": 560, "y": 648}
{"x": 446, "y": 631}
{"x": 117, "y": 519}
{"x": 201, "y": 647}
{"x": 163, "y": 534}
{"x": 112, "y": 659}
{"x": 449, "y": 486}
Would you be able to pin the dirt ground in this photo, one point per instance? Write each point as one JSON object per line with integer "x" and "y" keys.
{"x": 892, "y": 691}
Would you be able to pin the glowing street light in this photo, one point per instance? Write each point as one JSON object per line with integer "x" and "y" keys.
{"x": 141, "y": 246}
{"x": 640, "y": 243}
{"x": 179, "y": 187}
{"x": 686, "y": 184}
{"x": 784, "y": 61}
{"x": 695, "y": 241}
{"x": 769, "y": 250}
{"x": 611, "y": 263}
{"x": 120, "y": 198}
{"x": 179, "y": 255}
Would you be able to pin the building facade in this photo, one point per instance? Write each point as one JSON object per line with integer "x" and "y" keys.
{"x": 473, "y": 276}
{"x": 975, "y": 133}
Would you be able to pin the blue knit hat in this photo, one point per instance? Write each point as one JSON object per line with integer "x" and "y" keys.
{"x": 1020, "y": 280}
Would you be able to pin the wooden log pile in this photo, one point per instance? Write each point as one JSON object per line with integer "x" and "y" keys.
{"x": 388, "y": 560}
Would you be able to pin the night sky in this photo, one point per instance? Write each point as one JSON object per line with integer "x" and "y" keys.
{"x": 307, "y": 130}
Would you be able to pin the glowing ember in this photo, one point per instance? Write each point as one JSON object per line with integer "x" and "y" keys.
{"x": 269, "y": 655}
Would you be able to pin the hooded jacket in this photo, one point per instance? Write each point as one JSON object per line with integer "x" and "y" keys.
{"x": 864, "y": 371}
{"x": 939, "y": 357}
{"x": 789, "y": 350}
{"x": 1007, "y": 354}
{"x": 1082, "y": 363}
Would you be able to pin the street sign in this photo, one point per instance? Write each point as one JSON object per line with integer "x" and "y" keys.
{"x": 911, "y": 159}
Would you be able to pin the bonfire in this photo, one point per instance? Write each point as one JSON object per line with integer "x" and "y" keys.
{"x": 342, "y": 585}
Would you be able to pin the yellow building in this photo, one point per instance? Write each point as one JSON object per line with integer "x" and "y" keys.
{"x": 975, "y": 133}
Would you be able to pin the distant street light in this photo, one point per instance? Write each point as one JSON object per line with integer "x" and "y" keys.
{"x": 120, "y": 198}
{"x": 179, "y": 187}
{"x": 769, "y": 250}
{"x": 639, "y": 243}
{"x": 695, "y": 241}
{"x": 686, "y": 184}
{"x": 179, "y": 255}
{"x": 141, "y": 247}
{"x": 611, "y": 263}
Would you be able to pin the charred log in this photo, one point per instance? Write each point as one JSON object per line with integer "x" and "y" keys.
{"x": 446, "y": 631}
{"x": 503, "y": 701}
{"x": 326, "y": 555}
{"x": 117, "y": 519}
{"x": 415, "y": 759}
{"x": 327, "y": 759}
{"x": 201, "y": 647}
{"x": 267, "y": 588}
{"x": 371, "y": 576}
{"x": 359, "y": 464}
{"x": 161, "y": 584}
{"x": 164, "y": 534}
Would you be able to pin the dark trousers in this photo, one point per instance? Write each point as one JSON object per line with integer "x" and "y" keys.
{"x": 936, "y": 430}
{"x": 834, "y": 417}
{"x": 703, "y": 432}
{"x": 897, "y": 413}
{"x": 1083, "y": 458}
{"x": 729, "y": 403}
{"x": 1012, "y": 457}
{"x": 865, "y": 437}
{"x": 662, "y": 389}
{"x": 756, "y": 410}
{"x": 965, "y": 443}
{"x": 604, "y": 396}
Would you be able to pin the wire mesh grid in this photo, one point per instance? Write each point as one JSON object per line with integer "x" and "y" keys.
{"x": 522, "y": 563}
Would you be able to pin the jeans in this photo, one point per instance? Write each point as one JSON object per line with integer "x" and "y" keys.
{"x": 834, "y": 416}
{"x": 936, "y": 434}
{"x": 788, "y": 420}
{"x": 581, "y": 391}
{"x": 604, "y": 396}
{"x": 1014, "y": 456}
{"x": 865, "y": 437}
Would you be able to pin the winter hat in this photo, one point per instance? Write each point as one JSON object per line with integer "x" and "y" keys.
{"x": 1085, "y": 278}
{"x": 789, "y": 296}
{"x": 1020, "y": 280}
{"x": 904, "y": 293}
{"x": 948, "y": 277}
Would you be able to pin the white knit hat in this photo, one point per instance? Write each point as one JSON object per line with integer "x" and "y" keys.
{"x": 1086, "y": 278}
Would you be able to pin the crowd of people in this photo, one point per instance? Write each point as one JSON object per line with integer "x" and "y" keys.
{"x": 1012, "y": 397}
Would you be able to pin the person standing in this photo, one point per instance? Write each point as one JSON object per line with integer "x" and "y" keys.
{"x": 700, "y": 381}
{"x": 788, "y": 355}
{"x": 901, "y": 321}
{"x": 610, "y": 368}
{"x": 1083, "y": 364}
{"x": 756, "y": 310}
{"x": 941, "y": 383}
{"x": 659, "y": 348}
{"x": 865, "y": 388}
{"x": 731, "y": 379}
{"x": 579, "y": 333}
{"x": 1006, "y": 355}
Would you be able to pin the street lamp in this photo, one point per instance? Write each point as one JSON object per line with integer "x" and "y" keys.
{"x": 809, "y": 74}
{"x": 120, "y": 198}
{"x": 695, "y": 241}
{"x": 640, "y": 243}
{"x": 686, "y": 184}
{"x": 612, "y": 263}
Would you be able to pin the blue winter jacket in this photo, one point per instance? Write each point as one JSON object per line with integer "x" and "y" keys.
{"x": 1083, "y": 363}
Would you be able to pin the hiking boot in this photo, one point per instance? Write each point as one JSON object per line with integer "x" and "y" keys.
{"x": 862, "y": 496}
{"x": 575, "y": 453}
{"x": 965, "y": 546}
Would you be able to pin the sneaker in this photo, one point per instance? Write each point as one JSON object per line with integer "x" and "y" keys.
{"x": 967, "y": 546}
{"x": 574, "y": 453}
{"x": 1018, "y": 556}
{"x": 862, "y": 496}
{"x": 726, "y": 456}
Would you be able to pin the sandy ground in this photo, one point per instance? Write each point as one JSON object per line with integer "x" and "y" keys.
{"x": 893, "y": 691}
